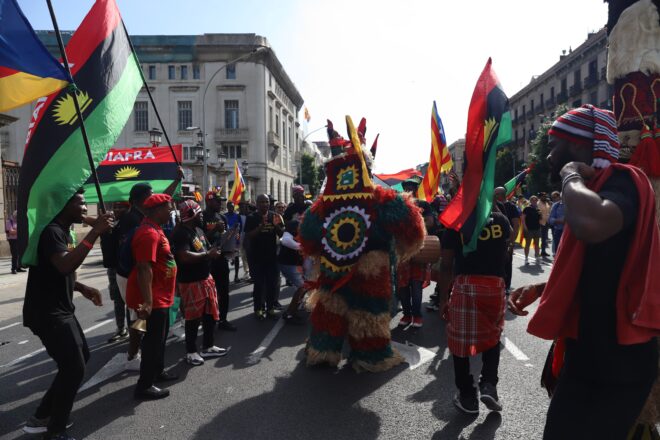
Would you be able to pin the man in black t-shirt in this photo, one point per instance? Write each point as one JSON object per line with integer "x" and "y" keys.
{"x": 193, "y": 257}
{"x": 215, "y": 227}
{"x": 48, "y": 311}
{"x": 531, "y": 222}
{"x": 475, "y": 313}
{"x": 513, "y": 215}
{"x": 611, "y": 357}
{"x": 298, "y": 207}
{"x": 263, "y": 229}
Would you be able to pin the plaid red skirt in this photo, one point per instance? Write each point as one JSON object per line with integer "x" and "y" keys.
{"x": 475, "y": 314}
{"x": 199, "y": 298}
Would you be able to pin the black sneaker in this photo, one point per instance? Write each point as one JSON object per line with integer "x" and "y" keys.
{"x": 166, "y": 377}
{"x": 40, "y": 426}
{"x": 119, "y": 336}
{"x": 467, "y": 402}
{"x": 227, "y": 326}
{"x": 151, "y": 393}
{"x": 489, "y": 396}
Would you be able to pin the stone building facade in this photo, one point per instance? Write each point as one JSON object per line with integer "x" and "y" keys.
{"x": 577, "y": 78}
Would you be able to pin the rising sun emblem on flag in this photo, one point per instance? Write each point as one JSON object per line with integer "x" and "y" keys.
{"x": 127, "y": 173}
{"x": 65, "y": 110}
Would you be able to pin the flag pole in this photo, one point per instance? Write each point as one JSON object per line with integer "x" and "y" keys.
{"x": 74, "y": 89}
{"x": 151, "y": 98}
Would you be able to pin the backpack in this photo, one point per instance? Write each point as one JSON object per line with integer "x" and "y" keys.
{"x": 125, "y": 260}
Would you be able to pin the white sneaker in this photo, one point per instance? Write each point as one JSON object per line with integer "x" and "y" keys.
{"x": 214, "y": 351}
{"x": 134, "y": 364}
{"x": 194, "y": 359}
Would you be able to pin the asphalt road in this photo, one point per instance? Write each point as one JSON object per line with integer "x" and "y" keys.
{"x": 262, "y": 389}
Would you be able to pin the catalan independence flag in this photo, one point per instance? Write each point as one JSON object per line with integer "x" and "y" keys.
{"x": 439, "y": 162}
{"x": 488, "y": 129}
{"x": 107, "y": 74}
{"x": 124, "y": 167}
{"x": 238, "y": 187}
{"x": 27, "y": 70}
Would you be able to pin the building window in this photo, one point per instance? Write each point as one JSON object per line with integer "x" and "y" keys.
{"x": 279, "y": 190}
{"x": 272, "y": 186}
{"x": 524, "y": 112}
{"x": 185, "y": 114}
{"x": 232, "y": 151}
{"x": 152, "y": 72}
{"x": 516, "y": 117}
{"x": 563, "y": 85}
{"x": 184, "y": 72}
{"x": 541, "y": 100}
{"x": 531, "y": 106}
{"x": 231, "y": 113}
{"x": 231, "y": 71}
{"x": 552, "y": 92}
{"x": 277, "y": 124}
{"x": 186, "y": 152}
{"x": 4, "y": 144}
{"x": 141, "y": 116}
{"x": 196, "y": 74}
{"x": 270, "y": 80}
{"x": 187, "y": 175}
{"x": 170, "y": 72}
{"x": 284, "y": 133}
{"x": 270, "y": 117}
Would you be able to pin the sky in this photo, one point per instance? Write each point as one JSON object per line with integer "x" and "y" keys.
{"x": 385, "y": 60}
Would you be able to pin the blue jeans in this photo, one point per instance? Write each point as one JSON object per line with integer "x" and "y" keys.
{"x": 556, "y": 237}
{"x": 411, "y": 298}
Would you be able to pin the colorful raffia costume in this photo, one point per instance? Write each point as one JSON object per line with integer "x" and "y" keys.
{"x": 356, "y": 231}
{"x": 633, "y": 68}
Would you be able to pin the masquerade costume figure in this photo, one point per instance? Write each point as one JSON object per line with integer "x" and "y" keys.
{"x": 357, "y": 231}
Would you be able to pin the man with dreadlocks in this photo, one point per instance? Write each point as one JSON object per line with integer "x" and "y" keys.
{"x": 602, "y": 299}
{"x": 357, "y": 231}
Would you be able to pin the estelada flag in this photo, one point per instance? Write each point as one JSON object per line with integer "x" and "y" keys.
{"x": 238, "y": 187}
{"x": 488, "y": 129}
{"x": 27, "y": 70}
{"x": 440, "y": 160}
{"x": 123, "y": 168}
{"x": 55, "y": 165}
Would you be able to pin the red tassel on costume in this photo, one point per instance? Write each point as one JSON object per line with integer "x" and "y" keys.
{"x": 647, "y": 153}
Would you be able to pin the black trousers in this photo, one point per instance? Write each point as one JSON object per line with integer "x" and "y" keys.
{"x": 66, "y": 344}
{"x": 508, "y": 268}
{"x": 153, "y": 348}
{"x": 120, "y": 306}
{"x": 266, "y": 277}
{"x": 15, "y": 256}
{"x": 220, "y": 274}
{"x": 491, "y": 362}
{"x": 237, "y": 260}
{"x": 208, "y": 326}
{"x": 584, "y": 407}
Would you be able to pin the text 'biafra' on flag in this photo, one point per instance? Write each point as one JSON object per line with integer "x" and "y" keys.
{"x": 55, "y": 165}
{"x": 488, "y": 129}
{"x": 27, "y": 70}
{"x": 123, "y": 168}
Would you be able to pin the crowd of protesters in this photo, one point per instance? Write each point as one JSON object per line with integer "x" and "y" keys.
{"x": 610, "y": 359}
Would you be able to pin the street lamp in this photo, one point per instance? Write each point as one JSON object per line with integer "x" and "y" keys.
{"x": 155, "y": 137}
{"x": 206, "y": 89}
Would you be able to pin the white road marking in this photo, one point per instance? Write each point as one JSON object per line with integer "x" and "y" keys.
{"x": 529, "y": 365}
{"x": 22, "y": 342}
{"x": 41, "y": 350}
{"x": 113, "y": 367}
{"x": 414, "y": 354}
{"x": 255, "y": 356}
{"x": 9, "y": 326}
{"x": 515, "y": 351}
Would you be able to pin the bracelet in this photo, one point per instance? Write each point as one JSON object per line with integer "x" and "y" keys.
{"x": 568, "y": 178}
{"x": 87, "y": 244}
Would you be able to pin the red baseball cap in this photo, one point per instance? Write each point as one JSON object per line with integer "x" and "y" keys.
{"x": 156, "y": 200}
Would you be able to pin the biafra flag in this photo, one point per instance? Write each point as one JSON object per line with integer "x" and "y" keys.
{"x": 123, "y": 168}
{"x": 55, "y": 164}
{"x": 488, "y": 129}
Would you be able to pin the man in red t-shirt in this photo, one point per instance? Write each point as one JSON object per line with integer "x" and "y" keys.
{"x": 150, "y": 291}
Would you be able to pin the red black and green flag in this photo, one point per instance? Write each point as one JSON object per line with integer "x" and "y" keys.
{"x": 488, "y": 129}
{"x": 123, "y": 168}
{"x": 512, "y": 185}
{"x": 395, "y": 181}
{"x": 55, "y": 165}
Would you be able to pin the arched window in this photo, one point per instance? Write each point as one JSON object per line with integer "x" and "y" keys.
{"x": 272, "y": 187}
{"x": 279, "y": 190}
{"x": 286, "y": 193}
